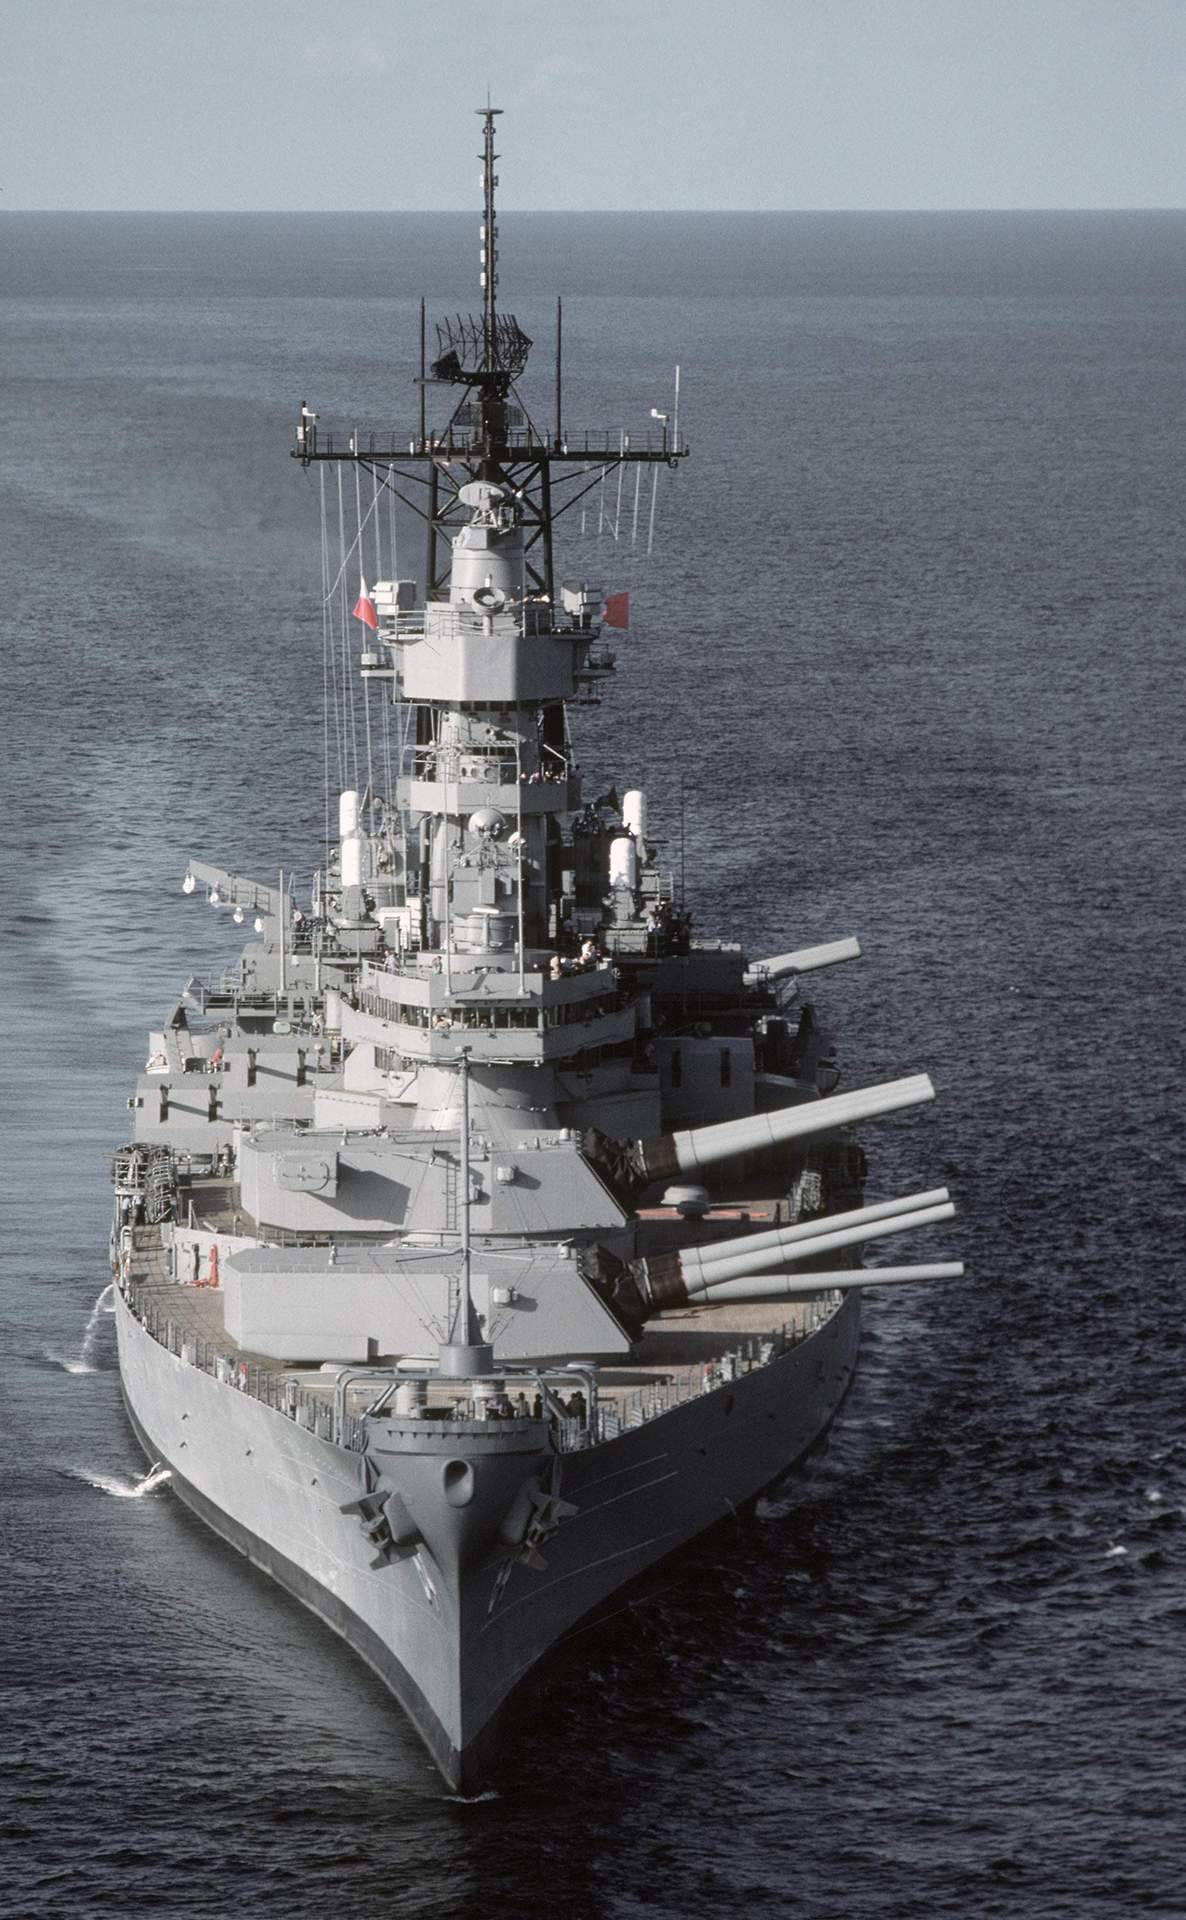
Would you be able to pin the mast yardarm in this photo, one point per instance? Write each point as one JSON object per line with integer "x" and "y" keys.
{"x": 490, "y": 434}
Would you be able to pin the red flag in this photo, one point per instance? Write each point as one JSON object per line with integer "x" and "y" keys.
{"x": 364, "y": 608}
{"x": 617, "y": 610}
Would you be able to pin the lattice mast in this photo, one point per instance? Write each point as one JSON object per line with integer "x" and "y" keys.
{"x": 490, "y": 434}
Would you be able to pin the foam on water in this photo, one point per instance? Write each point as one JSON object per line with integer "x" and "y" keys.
{"x": 86, "y": 1361}
{"x": 122, "y": 1489}
{"x": 766, "y": 1508}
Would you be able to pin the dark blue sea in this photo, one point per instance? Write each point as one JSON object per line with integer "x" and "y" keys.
{"x": 912, "y": 640}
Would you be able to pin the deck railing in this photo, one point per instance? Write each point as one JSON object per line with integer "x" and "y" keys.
{"x": 277, "y": 1390}
{"x": 675, "y": 1390}
{"x": 571, "y": 1431}
{"x": 606, "y": 444}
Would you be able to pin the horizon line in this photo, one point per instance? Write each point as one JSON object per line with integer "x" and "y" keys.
{"x": 569, "y": 213}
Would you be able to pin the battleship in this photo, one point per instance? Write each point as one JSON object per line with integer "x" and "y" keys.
{"x": 486, "y": 1233}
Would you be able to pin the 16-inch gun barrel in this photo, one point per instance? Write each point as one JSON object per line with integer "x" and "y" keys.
{"x": 792, "y": 1286}
{"x": 744, "y": 1253}
{"x": 697, "y": 1148}
{"x": 674, "y": 1280}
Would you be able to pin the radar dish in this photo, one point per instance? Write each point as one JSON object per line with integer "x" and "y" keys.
{"x": 464, "y": 357}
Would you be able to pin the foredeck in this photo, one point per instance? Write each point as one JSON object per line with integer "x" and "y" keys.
{"x": 679, "y": 1356}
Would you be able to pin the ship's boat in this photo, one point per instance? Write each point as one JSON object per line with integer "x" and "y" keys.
{"x": 487, "y": 1234}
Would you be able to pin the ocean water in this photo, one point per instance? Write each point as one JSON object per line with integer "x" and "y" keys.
{"x": 911, "y": 640}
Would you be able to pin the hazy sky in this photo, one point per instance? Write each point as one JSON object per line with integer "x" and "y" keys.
{"x": 609, "y": 103}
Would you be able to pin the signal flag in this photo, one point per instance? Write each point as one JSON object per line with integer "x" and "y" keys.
{"x": 364, "y": 608}
{"x": 617, "y": 610}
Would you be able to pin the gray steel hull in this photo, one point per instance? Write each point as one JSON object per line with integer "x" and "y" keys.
{"x": 452, "y": 1636}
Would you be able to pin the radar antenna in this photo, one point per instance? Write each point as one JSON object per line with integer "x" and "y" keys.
{"x": 489, "y": 434}
{"x": 487, "y": 354}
